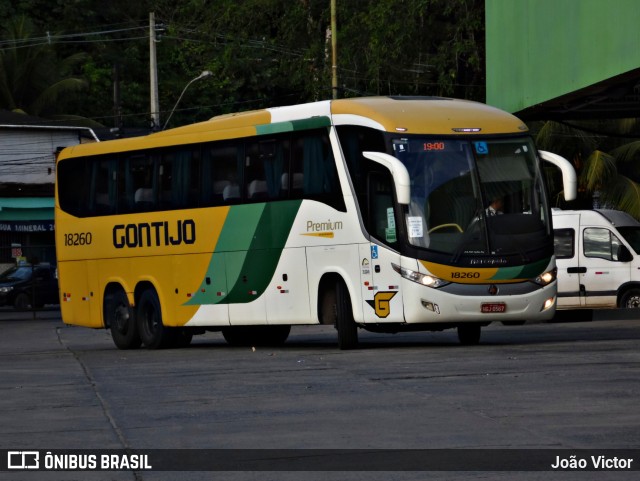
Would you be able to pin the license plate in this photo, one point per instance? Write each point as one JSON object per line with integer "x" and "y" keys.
{"x": 494, "y": 307}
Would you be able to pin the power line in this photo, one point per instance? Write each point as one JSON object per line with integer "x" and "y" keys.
{"x": 49, "y": 39}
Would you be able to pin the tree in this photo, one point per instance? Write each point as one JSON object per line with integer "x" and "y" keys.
{"x": 261, "y": 52}
{"x": 32, "y": 79}
{"x": 608, "y": 166}
{"x": 614, "y": 177}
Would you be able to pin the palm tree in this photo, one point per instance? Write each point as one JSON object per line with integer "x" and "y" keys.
{"x": 609, "y": 172}
{"x": 32, "y": 79}
{"x": 572, "y": 143}
{"x": 614, "y": 176}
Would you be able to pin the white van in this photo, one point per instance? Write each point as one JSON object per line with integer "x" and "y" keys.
{"x": 598, "y": 259}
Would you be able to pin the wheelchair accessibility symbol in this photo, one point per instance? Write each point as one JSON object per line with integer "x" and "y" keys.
{"x": 481, "y": 148}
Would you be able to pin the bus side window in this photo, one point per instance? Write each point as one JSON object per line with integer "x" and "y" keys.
{"x": 313, "y": 159}
{"x": 382, "y": 221}
{"x": 256, "y": 185}
{"x": 275, "y": 155}
{"x": 354, "y": 141}
{"x": 266, "y": 162}
{"x": 137, "y": 191}
{"x": 293, "y": 181}
{"x": 71, "y": 174}
{"x": 220, "y": 174}
{"x": 102, "y": 190}
{"x": 165, "y": 182}
{"x": 178, "y": 177}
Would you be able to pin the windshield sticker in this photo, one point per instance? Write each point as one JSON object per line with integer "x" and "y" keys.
{"x": 481, "y": 148}
{"x": 391, "y": 220}
{"x": 414, "y": 226}
{"x": 401, "y": 145}
{"x": 390, "y": 234}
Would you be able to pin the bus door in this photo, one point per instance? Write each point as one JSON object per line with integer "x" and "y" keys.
{"x": 381, "y": 284}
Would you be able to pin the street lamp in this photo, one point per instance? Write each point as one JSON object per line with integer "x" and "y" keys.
{"x": 205, "y": 74}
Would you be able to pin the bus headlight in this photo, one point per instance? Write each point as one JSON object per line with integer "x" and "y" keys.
{"x": 547, "y": 278}
{"x": 6, "y": 289}
{"x": 424, "y": 279}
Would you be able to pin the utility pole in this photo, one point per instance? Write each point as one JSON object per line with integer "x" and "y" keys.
{"x": 117, "y": 110}
{"x": 153, "y": 74}
{"x": 334, "y": 50}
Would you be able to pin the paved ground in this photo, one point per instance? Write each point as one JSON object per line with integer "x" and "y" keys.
{"x": 549, "y": 386}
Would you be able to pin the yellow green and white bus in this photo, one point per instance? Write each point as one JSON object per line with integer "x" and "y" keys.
{"x": 365, "y": 213}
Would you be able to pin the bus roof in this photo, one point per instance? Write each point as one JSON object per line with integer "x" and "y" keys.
{"x": 430, "y": 115}
{"x": 411, "y": 115}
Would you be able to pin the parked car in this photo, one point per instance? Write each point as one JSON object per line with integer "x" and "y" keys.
{"x": 27, "y": 285}
{"x": 598, "y": 259}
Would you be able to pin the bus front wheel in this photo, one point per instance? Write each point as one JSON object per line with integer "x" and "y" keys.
{"x": 153, "y": 333}
{"x": 345, "y": 325}
{"x": 121, "y": 321}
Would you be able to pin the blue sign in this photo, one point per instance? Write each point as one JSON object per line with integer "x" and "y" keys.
{"x": 481, "y": 148}
{"x": 374, "y": 252}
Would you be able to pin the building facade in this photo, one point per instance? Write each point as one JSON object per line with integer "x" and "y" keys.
{"x": 28, "y": 147}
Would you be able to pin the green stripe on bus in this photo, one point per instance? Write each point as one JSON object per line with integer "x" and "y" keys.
{"x": 239, "y": 227}
{"x": 528, "y": 271}
{"x": 235, "y": 239}
{"x": 247, "y": 254}
{"x": 264, "y": 254}
{"x": 303, "y": 124}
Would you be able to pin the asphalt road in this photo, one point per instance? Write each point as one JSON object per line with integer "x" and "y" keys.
{"x": 548, "y": 386}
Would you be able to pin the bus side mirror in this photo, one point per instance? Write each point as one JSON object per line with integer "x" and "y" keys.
{"x": 569, "y": 179}
{"x": 399, "y": 173}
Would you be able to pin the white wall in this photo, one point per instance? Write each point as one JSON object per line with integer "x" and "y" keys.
{"x": 26, "y": 155}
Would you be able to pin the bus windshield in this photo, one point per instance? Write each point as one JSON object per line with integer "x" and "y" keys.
{"x": 473, "y": 197}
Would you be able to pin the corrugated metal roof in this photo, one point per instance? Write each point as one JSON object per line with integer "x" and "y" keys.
{"x": 568, "y": 59}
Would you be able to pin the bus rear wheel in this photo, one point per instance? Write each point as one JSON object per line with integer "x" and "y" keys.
{"x": 121, "y": 320}
{"x": 153, "y": 333}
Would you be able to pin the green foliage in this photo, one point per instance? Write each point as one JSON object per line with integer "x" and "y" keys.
{"x": 32, "y": 79}
{"x": 599, "y": 170}
{"x": 261, "y": 52}
{"x": 608, "y": 165}
{"x": 614, "y": 176}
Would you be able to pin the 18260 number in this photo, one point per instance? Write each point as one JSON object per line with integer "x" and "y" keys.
{"x": 78, "y": 239}
{"x": 465, "y": 275}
